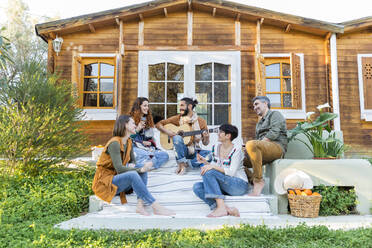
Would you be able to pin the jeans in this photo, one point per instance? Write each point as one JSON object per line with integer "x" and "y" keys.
{"x": 216, "y": 185}
{"x": 158, "y": 159}
{"x": 182, "y": 153}
{"x": 136, "y": 181}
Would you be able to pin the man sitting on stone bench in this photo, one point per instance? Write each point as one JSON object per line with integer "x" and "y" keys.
{"x": 270, "y": 143}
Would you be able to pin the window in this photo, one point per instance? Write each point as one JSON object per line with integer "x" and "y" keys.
{"x": 213, "y": 78}
{"x": 97, "y": 83}
{"x": 281, "y": 78}
{"x": 365, "y": 85}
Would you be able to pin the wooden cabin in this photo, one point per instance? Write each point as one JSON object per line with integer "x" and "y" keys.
{"x": 221, "y": 53}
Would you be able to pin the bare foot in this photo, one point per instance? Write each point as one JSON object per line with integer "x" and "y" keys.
{"x": 181, "y": 169}
{"x": 233, "y": 211}
{"x": 160, "y": 210}
{"x": 142, "y": 211}
{"x": 147, "y": 167}
{"x": 257, "y": 188}
{"x": 218, "y": 212}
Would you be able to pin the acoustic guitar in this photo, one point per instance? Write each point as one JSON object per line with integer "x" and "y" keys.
{"x": 185, "y": 131}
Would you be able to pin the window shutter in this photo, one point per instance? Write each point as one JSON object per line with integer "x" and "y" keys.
{"x": 367, "y": 81}
{"x": 260, "y": 74}
{"x": 76, "y": 73}
{"x": 296, "y": 81}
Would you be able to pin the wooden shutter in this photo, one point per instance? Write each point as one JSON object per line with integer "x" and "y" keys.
{"x": 367, "y": 81}
{"x": 76, "y": 74}
{"x": 296, "y": 81}
{"x": 260, "y": 74}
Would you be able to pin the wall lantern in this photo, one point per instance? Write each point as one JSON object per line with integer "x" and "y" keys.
{"x": 57, "y": 44}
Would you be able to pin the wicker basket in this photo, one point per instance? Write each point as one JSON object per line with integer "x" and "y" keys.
{"x": 304, "y": 206}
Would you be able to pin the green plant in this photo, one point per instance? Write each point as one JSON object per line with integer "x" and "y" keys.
{"x": 336, "y": 200}
{"x": 38, "y": 121}
{"x": 324, "y": 143}
{"x": 4, "y": 51}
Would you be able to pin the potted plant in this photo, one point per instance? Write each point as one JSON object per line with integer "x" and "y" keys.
{"x": 324, "y": 143}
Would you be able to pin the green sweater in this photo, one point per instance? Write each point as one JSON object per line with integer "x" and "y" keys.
{"x": 273, "y": 126}
{"x": 114, "y": 152}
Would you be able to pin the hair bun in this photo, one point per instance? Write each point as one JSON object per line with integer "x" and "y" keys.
{"x": 195, "y": 101}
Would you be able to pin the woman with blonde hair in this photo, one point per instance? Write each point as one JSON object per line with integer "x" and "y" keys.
{"x": 144, "y": 142}
{"x": 116, "y": 171}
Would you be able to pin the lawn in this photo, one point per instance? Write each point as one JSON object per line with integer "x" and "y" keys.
{"x": 30, "y": 206}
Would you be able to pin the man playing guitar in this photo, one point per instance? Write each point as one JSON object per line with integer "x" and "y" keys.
{"x": 186, "y": 153}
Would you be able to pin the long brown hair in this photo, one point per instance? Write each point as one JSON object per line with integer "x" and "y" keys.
{"x": 136, "y": 112}
{"x": 119, "y": 127}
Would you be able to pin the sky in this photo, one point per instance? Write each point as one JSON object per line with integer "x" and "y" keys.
{"x": 325, "y": 10}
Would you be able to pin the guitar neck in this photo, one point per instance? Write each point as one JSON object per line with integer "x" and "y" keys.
{"x": 192, "y": 133}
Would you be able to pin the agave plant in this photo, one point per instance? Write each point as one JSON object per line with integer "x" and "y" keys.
{"x": 324, "y": 143}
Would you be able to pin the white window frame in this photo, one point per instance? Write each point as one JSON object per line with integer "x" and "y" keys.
{"x": 365, "y": 114}
{"x": 102, "y": 114}
{"x": 192, "y": 58}
{"x": 293, "y": 113}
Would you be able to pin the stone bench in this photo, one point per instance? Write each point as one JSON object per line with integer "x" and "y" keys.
{"x": 355, "y": 173}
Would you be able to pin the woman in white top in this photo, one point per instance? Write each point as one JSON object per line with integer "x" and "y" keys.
{"x": 223, "y": 174}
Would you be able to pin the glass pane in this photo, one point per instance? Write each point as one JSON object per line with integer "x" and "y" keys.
{"x": 106, "y": 100}
{"x": 286, "y": 69}
{"x": 171, "y": 110}
{"x": 157, "y": 111}
{"x": 107, "y": 70}
{"x": 174, "y": 92}
{"x": 273, "y": 70}
{"x": 274, "y": 100}
{"x": 157, "y": 72}
{"x": 287, "y": 100}
{"x": 221, "y": 72}
{"x": 91, "y": 70}
{"x": 106, "y": 84}
{"x": 221, "y": 114}
{"x": 90, "y": 100}
{"x": 222, "y": 92}
{"x": 90, "y": 84}
{"x": 273, "y": 85}
{"x": 287, "y": 84}
{"x": 174, "y": 72}
{"x": 156, "y": 92}
{"x": 205, "y": 111}
{"x": 203, "y": 72}
{"x": 203, "y": 92}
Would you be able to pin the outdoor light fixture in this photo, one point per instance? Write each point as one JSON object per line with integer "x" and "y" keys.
{"x": 57, "y": 44}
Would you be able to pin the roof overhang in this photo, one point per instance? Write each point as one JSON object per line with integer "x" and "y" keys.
{"x": 135, "y": 12}
{"x": 358, "y": 24}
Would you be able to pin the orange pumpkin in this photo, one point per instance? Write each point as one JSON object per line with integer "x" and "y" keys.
{"x": 316, "y": 193}
{"x": 308, "y": 191}
{"x": 298, "y": 192}
{"x": 291, "y": 192}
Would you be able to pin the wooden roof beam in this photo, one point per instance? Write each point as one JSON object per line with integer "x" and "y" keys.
{"x": 328, "y": 35}
{"x": 237, "y": 17}
{"x": 261, "y": 20}
{"x": 288, "y": 28}
{"x": 214, "y": 12}
{"x": 189, "y": 5}
{"x": 117, "y": 19}
{"x": 140, "y": 17}
{"x": 165, "y": 12}
{"x": 91, "y": 28}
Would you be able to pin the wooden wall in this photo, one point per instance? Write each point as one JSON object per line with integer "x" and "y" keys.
{"x": 357, "y": 132}
{"x": 207, "y": 31}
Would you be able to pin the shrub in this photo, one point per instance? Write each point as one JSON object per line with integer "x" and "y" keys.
{"x": 38, "y": 126}
{"x": 336, "y": 200}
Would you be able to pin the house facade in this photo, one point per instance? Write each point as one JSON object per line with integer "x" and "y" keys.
{"x": 221, "y": 53}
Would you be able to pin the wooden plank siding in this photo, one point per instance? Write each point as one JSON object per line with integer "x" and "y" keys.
{"x": 357, "y": 133}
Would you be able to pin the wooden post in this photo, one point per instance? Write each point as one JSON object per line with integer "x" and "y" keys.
{"x": 51, "y": 56}
{"x": 334, "y": 73}
{"x": 258, "y": 37}
{"x": 189, "y": 28}
{"x": 141, "y": 27}
{"x": 237, "y": 33}
{"x": 120, "y": 68}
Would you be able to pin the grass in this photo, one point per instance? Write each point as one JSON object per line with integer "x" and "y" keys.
{"x": 29, "y": 208}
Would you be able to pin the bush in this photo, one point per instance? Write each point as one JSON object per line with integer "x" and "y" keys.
{"x": 336, "y": 200}
{"x": 38, "y": 126}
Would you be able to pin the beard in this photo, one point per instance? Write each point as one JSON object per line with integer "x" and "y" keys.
{"x": 185, "y": 112}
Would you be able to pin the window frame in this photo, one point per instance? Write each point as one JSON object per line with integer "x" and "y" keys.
{"x": 99, "y": 113}
{"x": 291, "y": 113}
{"x": 189, "y": 59}
{"x": 365, "y": 114}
